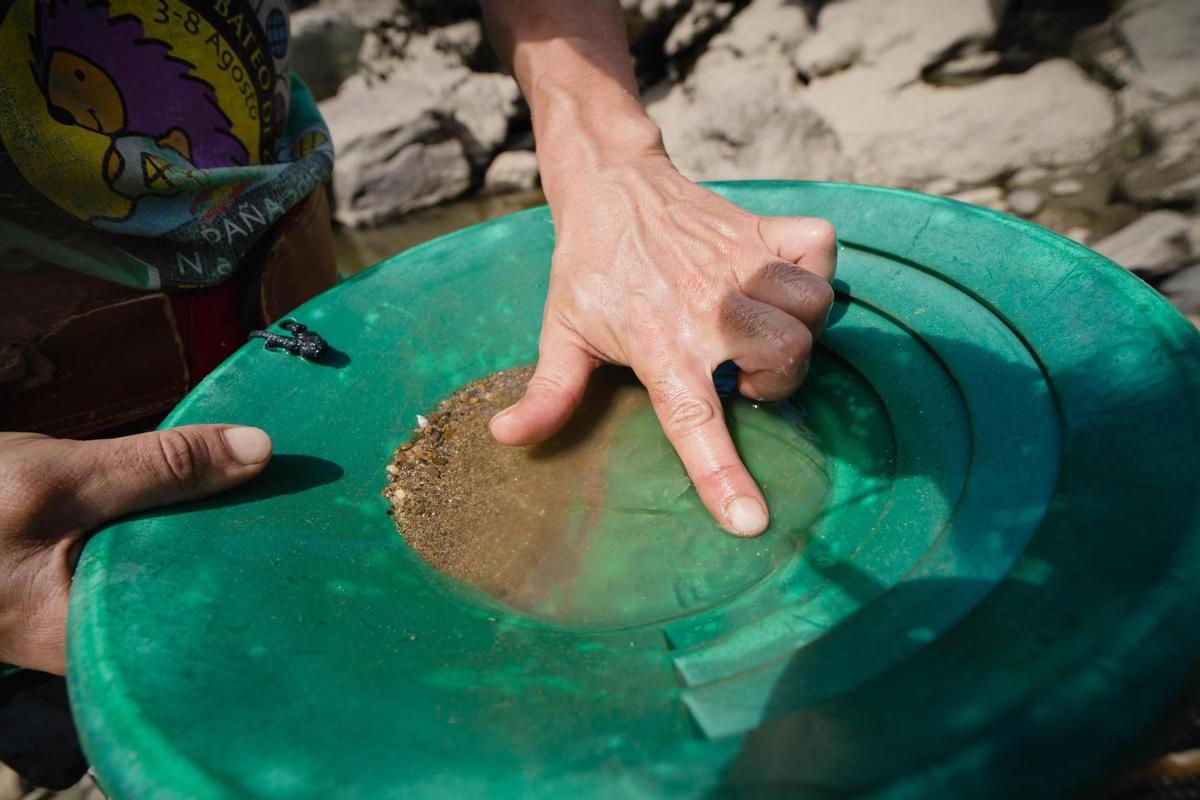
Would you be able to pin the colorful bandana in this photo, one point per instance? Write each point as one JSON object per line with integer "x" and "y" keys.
{"x": 150, "y": 142}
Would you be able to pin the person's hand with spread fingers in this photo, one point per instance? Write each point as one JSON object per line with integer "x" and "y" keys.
{"x": 54, "y": 491}
{"x": 651, "y": 270}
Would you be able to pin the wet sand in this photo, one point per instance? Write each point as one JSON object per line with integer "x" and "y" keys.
{"x": 600, "y": 525}
{"x": 494, "y": 516}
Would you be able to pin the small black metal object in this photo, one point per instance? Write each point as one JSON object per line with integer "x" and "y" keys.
{"x": 303, "y": 342}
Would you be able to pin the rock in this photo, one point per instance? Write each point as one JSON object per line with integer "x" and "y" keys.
{"x": 396, "y": 151}
{"x": 483, "y": 104}
{"x": 399, "y": 56}
{"x": 646, "y": 17}
{"x": 1152, "y": 184}
{"x": 415, "y": 125}
{"x": 764, "y": 25}
{"x": 1155, "y": 244}
{"x": 896, "y": 39}
{"x": 1170, "y": 174}
{"x": 368, "y": 14}
{"x": 898, "y": 131}
{"x": 406, "y": 14}
{"x": 1183, "y": 289}
{"x": 702, "y": 20}
{"x": 432, "y": 65}
{"x": 1176, "y": 128}
{"x": 966, "y": 69}
{"x": 1163, "y": 40}
{"x": 942, "y": 186}
{"x": 714, "y": 128}
{"x": 512, "y": 171}
{"x": 1065, "y": 187}
{"x": 463, "y": 39}
{"x": 434, "y": 58}
{"x": 324, "y": 48}
{"x": 986, "y": 196}
{"x": 866, "y": 60}
{"x": 1025, "y": 202}
{"x": 1027, "y": 176}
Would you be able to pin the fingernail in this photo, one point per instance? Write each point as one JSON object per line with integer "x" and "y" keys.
{"x": 746, "y": 516}
{"x": 504, "y": 412}
{"x": 248, "y": 446}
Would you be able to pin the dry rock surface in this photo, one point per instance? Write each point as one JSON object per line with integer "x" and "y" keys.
{"x": 1080, "y": 115}
{"x": 511, "y": 171}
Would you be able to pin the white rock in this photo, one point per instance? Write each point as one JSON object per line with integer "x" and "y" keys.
{"x": 645, "y": 16}
{"x": 1171, "y": 174}
{"x": 986, "y": 196}
{"x": 715, "y": 129}
{"x": 395, "y": 152}
{"x": 1163, "y": 37}
{"x": 968, "y": 68}
{"x": 1155, "y": 244}
{"x": 1183, "y": 289}
{"x": 432, "y": 64}
{"x": 942, "y": 186}
{"x": 396, "y": 55}
{"x": 1028, "y": 176}
{"x": 897, "y": 39}
{"x": 462, "y": 39}
{"x": 1025, "y": 202}
{"x": 700, "y": 20}
{"x": 866, "y": 58}
{"x": 1176, "y": 128}
{"x": 367, "y": 14}
{"x": 774, "y": 25}
{"x": 408, "y": 129}
{"x": 1065, "y": 187}
{"x": 483, "y": 103}
{"x": 512, "y": 171}
{"x": 897, "y": 131}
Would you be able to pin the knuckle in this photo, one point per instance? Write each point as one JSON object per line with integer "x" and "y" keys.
{"x": 776, "y": 270}
{"x": 684, "y": 414}
{"x": 722, "y": 475}
{"x": 822, "y": 295}
{"x": 807, "y": 289}
{"x": 794, "y": 340}
{"x": 26, "y": 496}
{"x": 179, "y": 456}
{"x": 740, "y": 316}
{"x": 547, "y": 381}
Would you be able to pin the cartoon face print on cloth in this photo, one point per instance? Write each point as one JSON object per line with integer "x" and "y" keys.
{"x": 135, "y": 103}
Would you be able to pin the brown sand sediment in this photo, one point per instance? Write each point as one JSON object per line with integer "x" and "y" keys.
{"x": 497, "y": 516}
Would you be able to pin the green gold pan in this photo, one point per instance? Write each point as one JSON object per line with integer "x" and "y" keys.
{"x": 990, "y": 591}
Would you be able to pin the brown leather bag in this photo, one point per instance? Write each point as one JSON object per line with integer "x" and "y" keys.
{"x": 79, "y": 355}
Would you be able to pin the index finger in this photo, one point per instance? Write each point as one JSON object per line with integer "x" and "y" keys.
{"x": 689, "y": 410}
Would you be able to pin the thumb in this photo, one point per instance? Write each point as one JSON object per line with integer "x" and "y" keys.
{"x": 120, "y": 476}
{"x": 554, "y": 391}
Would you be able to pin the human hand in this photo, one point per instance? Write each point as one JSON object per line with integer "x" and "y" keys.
{"x": 654, "y": 272}
{"x": 54, "y": 491}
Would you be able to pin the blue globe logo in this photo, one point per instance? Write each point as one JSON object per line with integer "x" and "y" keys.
{"x": 277, "y": 33}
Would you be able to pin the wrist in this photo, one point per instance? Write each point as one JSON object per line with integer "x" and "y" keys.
{"x": 577, "y": 136}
